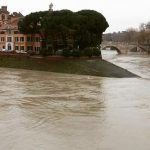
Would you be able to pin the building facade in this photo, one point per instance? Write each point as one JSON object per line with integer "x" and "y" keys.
{"x": 10, "y": 37}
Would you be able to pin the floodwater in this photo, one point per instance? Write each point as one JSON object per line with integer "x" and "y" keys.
{"x": 134, "y": 62}
{"x": 50, "y": 111}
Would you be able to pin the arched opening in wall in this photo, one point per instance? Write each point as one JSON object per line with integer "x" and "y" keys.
{"x": 142, "y": 49}
{"x": 113, "y": 48}
{"x": 134, "y": 49}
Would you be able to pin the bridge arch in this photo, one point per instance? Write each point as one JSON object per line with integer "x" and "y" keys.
{"x": 137, "y": 49}
{"x": 112, "y": 48}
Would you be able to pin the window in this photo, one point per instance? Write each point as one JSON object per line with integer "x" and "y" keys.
{"x": 21, "y": 39}
{"x": 2, "y": 32}
{"x": 9, "y": 39}
{"x": 3, "y": 47}
{"x": 37, "y": 39}
{"x": 32, "y": 39}
{"x": 28, "y": 39}
{"x": 29, "y": 48}
{"x": 16, "y": 32}
{"x": 2, "y": 39}
{"x": 38, "y": 48}
{"x": 16, "y": 39}
{"x": 16, "y": 47}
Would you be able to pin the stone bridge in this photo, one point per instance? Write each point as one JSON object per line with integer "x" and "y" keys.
{"x": 124, "y": 48}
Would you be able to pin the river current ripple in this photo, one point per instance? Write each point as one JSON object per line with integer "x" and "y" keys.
{"x": 50, "y": 111}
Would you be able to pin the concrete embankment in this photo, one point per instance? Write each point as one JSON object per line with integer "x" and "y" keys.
{"x": 94, "y": 67}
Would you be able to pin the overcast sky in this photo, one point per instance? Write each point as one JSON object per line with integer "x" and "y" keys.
{"x": 120, "y": 14}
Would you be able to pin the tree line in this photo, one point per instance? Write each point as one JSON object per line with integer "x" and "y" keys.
{"x": 140, "y": 35}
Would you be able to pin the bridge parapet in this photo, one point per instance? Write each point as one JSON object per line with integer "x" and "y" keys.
{"x": 123, "y": 47}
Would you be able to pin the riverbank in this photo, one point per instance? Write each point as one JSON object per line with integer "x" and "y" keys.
{"x": 94, "y": 67}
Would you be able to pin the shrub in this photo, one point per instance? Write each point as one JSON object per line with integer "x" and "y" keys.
{"x": 96, "y": 51}
{"x": 45, "y": 52}
{"x": 76, "y": 53}
{"x": 66, "y": 52}
{"x": 88, "y": 52}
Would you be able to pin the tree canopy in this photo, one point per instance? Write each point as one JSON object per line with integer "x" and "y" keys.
{"x": 85, "y": 26}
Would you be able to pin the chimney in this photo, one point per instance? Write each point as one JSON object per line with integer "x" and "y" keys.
{"x": 4, "y": 8}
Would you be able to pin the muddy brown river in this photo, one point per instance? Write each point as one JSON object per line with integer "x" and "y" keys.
{"x": 50, "y": 111}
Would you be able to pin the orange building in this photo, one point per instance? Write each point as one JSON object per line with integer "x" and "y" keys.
{"x": 10, "y": 37}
